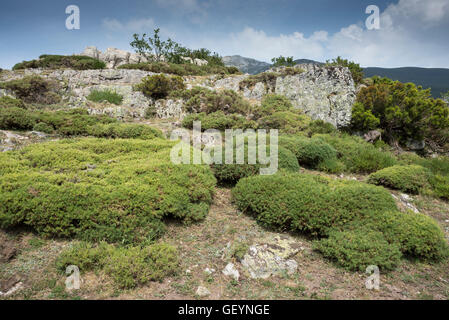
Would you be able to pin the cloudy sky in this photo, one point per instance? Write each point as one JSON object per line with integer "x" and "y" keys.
{"x": 412, "y": 32}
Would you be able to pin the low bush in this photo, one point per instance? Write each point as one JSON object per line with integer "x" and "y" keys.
{"x": 14, "y": 118}
{"x": 357, "y": 155}
{"x": 124, "y": 131}
{"x": 159, "y": 86}
{"x": 95, "y": 189}
{"x": 320, "y": 127}
{"x": 105, "y": 95}
{"x": 208, "y": 101}
{"x": 288, "y": 122}
{"x": 267, "y": 78}
{"x": 438, "y": 165}
{"x": 128, "y": 267}
{"x": 232, "y": 173}
{"x": 440, "y": 186}
{"x": 8, "y": 102}
{"x": 355, "y": 250}
{"x": 272, "y": 103}
{"x": 309, "y": 152}
{"x": 186, "y": 69}
{"x": 219, "y": 121}
{"x": 47, "y": 61}
{"x": 43, "y": 127}
{"x": 308, "y": 203}
{"x": 34, "y": 89}
{"x": 410, "y": 179}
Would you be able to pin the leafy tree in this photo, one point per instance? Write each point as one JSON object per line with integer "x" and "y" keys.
{"x": 283, "y": 62}
{"x": 356, "y": 70}
{"x": 403, "y": 111}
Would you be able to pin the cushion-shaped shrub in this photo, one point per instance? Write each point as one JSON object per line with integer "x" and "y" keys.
{"x": 411, "y": 179}
{"x": 58, "y": 62}
{"x": 440, "y": 186}
{"x": 16, "y": 119}
{"x": 159, "y": 86}
{"x": 43, "y": 127}
{"x": 218, "y": 121}
{"x": 105, "y": 95}
{"x": 357, "y": 155}
{"x": 273, "y": 103}
{"x": 309, "y": 152}
{"x": 308, "y": 203}
{"x": 124, "y": 131}
{"x": 34, "y": 89}
{"x": 128, "y": 267}
{"x": 8, "y": 102}
{"x": 357, "y": 249}
{"x": 96, "y": 189}
{"x": 285, "y": 121}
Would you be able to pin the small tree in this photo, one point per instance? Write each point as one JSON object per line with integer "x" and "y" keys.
{"x": 153, "y": 47}
{"x": 283, "y": 62}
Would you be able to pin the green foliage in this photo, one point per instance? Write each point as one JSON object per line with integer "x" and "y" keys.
{"x": 320, "y": 127}
{"x": 403, "y": 111}
{"x": 128, "y": 267}
{"x": 159, "y": 86}
{"x": 95, "y": 189}
{"x": 357, "y": 155}
{"x": 440, "y": 186}
{"x": 124, "y": 131}
{"x": 200, "y": 99}
{"x": 8, "y": 102}
{"x": 232, "y": 173}
{"x": 356, "y": 70}
{"x": 308, "y": 203}
{"x": 219, "y": 121}
{"x": 154, "y": 49}
{"x": 33, "y": 89}
{"x": 357, "y": 249}
{"x": 272, "y": 103}
{"x": 59, "y": 62}
{"x": 43, "y": 127}
{"x": 105, "y": 95}
{"x": 182, "y": 69}
{"x": 15, "y": 119}
{"x": 268, "y": 78}
{"x": 283, "y": 62}
{"x": 411, "y": 179}
{"x": 309, "y": 152}
{"x": 288, "y": 122}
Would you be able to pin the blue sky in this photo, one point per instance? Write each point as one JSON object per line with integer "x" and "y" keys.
{"x": 413, "y": 32}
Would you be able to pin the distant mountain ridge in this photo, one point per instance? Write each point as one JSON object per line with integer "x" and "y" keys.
{"x": 435, "y": 78}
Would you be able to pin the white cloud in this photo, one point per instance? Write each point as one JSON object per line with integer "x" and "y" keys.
{"x": 413, "y": 33}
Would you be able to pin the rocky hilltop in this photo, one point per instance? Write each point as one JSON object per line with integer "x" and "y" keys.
{"x": 325, "y": 93}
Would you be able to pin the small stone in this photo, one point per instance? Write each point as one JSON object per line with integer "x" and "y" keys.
{"x": 231, "y": 271}
{"x": 209, "y": 271}
{"x": 202, "y": 292}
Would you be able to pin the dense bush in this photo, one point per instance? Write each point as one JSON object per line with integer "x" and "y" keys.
{"x": 58, "y": 62}
{"x": 267, "y": 78}
{"x": 309, "y": 152}
{"x": 123, "y": 131}
{"x": 96, "y": 189}
{"x": 185, "y": 69}
{"x": 219, "y": 121}
{"x": 128, "y": 267}
{"x": 232, "y": 173}
{"x": 288, "y": 122}
{"x": 159, "y": 86}
{"x": 411, "y": 179}
{"x": 8, "y": 102}
{"x": 43, "y": 127}
{"x": 308, "y": 203}
{"x": 34, "y": 89}
{"x": 105, "y": 95}
{"x": 357, "y": 155}
{"x": 403, "y": 111}
{"x": 15, "y": 119}
{"x": 200, "y": 99}
{"x": 320, "y": 127}
{"x": 357, "y": 249}
{"x": 272, "y": 103}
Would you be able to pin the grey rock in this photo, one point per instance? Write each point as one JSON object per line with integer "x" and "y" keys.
{"x": 202, "y": 291}
{"x": 231, "y": 271}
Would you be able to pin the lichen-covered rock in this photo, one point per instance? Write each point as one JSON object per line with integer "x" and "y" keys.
{"x": 166, "y": 109}
{"x": 271, "y": 256}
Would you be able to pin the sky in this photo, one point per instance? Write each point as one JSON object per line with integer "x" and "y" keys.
{"x": 411, "y": 33}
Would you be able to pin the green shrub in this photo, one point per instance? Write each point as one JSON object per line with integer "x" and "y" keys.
{"x": 411, "y": 179}
{"x": 124, "y": 131}
{"x": 8, "y": 102}
{"x": 439, "y": 165}
{"x": 128, "y": 267}
{"x": 267, "y": 78}
{"x": 417, "y": 235}
{"x": 309, "y": 152}
{"x": 43, "y": 127}
{"x": 440, "y": 185}
{"x": 308, "y": 203}
{"x": 34, "y": 89}
{"x": 96, "y": 189}
{"x": 15, "y": 119}
{"x": 159, "y": 86}
{"x": 205, "y": 100}
{"x": 232, "y": 173}
{"x": 58, "y": 62}
{"x": 287, "y": 122}
{"x": 356, "y": 70}
{"x": 355, "y": 250}
{"x": 320, "y": 127}
{"x": 272, "y": 103}
{"x": 357, "y": 155}
{"x": 219, "y": 121}
{"x": 105, "y": 95}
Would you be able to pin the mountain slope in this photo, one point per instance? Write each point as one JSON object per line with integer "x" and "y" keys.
{"x": 246, "y": 65}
